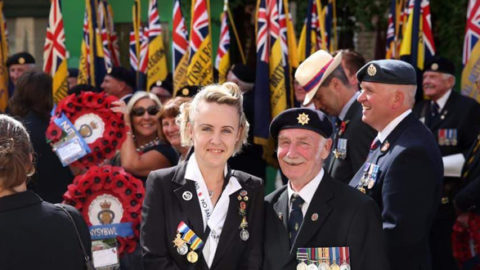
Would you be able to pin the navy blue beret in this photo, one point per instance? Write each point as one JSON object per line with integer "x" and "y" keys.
{"x": 440, "y": 64}
{"x": 388, "y": 71}
{"x": 303, "y": 118}
{"x": 122, "y": 74}
{"x": 20, "y": 59}
{"x": 244, "y": 73}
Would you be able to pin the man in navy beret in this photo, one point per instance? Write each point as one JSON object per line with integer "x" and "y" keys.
{"x": 17, "y": 64}
{"x": 403, "y": 172}
{"x": 454, "y": 121}
{"x": 314, "y": 219}
{"x": 119, "y": 82}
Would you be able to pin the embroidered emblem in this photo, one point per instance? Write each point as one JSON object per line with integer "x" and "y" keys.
{"x": 372, "y": 70}
{"x": 303, "y": 119}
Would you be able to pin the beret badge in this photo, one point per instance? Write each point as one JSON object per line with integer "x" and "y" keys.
{"x": 303, "y": 118}
{"x": 372, "y": 70}
{"x": 21, "y": 60}
{"x": 434, "y": 66}
{"x": 185, "y": 91}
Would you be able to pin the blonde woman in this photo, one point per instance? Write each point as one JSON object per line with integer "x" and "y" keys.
{"x": 201, "y": 214}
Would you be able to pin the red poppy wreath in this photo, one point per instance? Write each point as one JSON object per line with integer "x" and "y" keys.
{"x": 110, "y": 200}
{"x": 101, "y": 128}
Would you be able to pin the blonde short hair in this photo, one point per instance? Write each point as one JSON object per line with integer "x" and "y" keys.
{"x": 227, "y": 93}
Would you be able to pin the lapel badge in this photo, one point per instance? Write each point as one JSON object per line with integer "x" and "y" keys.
{"x": 385, "y": 146}
{"x": 371, "y": 70}
{"x": 314, "y": 217}
{"x": 243, "y": 193}
{"x": 280, "y": 216}
{"x": 187, "y": 195}
{"x": 303, "y": 118}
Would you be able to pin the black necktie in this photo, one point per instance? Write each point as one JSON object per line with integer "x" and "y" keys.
{"x": 434, "y": 109}
{"x": 296, "y": 217}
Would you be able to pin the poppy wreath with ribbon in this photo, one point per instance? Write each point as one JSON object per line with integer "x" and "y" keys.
{"x": 109, "y": 197}
{"x": 466, "y": 240}
{"x": 102, "y": 129}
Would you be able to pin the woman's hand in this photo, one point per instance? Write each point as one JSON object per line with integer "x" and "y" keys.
{"x": 119, "y": 106}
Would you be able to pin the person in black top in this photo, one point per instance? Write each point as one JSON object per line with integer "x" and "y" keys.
{"x": 35, "y": 234}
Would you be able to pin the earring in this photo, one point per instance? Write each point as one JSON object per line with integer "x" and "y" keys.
{"x": 31, "y": 173}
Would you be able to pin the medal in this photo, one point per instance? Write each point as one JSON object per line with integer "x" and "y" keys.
{"x": 192, "y": 257}
{"x": 345, "y": 266}
{"x": 334, "y": 266}
{"x": 242, "y": 211}
{"x": 183, "y": 249}
{"x": 323, "y": 266}
{"x": 345, "y": 258}
{"x": 244, "y": 235}
{"x": 302, "y": 266}
{"x": 312, "y": 266}
{"x": 180, "y": 244}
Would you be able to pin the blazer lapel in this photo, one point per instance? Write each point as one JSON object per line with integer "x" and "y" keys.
{"x": 281, "y": 208}
{"x": 187, "y": 196}
{"x": 444, "y": 112}
{"x": 230, "y": 232}
{"x": 317, "y": 213}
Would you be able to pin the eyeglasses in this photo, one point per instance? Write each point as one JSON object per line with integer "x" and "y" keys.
{"x": 140, "y": 111}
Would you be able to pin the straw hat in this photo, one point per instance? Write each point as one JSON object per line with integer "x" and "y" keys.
{"x": 313, "y": 71}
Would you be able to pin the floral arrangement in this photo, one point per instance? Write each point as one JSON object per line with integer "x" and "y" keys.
{"x": 103, "y": 130}
{"x": 109, "y": 182}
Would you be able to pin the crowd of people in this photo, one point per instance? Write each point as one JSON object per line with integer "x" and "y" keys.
{"x": 374, "y": 178}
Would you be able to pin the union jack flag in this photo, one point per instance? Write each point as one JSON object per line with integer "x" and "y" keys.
{"x": 224, "y": 43}
{"x": 472, "y": 29}
{"x": 199, "y": 29}
{"x": 54, "y": 51}
{"x": 142, "y": 67}
{"x": 154, "y": 26}
{"x": 262, "y": 32}
{"x": 113, "y": 42}
{"x": 390, "y": 48}
{"x": 180, "y": 35}
{"x": 427, "y": 30}
{"x": 132, "y": 52}
{"x": 104, "y": 35}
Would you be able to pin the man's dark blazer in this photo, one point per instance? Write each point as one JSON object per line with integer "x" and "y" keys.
{"x": 164, "y": 208}
{"x": 38, "y": 235}
{"x": 345, "y": 218}
{"x": 407, "y": 190}
{"x": 359, "y": 137}
{"x": 468, "y": 198}
{"x": 460, "y": 113}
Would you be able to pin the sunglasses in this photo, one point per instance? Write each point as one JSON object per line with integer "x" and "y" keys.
{"x": 140, "y": 111}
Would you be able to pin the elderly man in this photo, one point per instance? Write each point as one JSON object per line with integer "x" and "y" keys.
{"x": 119, "y": 82}
{"x": 314, "y": 220}
{"x": 327, "y": 85}
{"x": 454, "y": 121}
{"x": 403, "y": 172}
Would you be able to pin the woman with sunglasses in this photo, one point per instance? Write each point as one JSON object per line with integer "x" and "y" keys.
{"x": 144, "y": 149}
{"x": 201, "y": 214}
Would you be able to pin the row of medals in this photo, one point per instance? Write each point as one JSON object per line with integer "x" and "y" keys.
{"x": 322, "y": 266}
